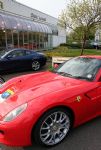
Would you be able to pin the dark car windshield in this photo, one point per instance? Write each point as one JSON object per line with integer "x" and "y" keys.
{"x": 80, "y": 68}
{"x": 2, "y": 53}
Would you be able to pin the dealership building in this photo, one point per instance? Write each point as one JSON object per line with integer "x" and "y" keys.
{"x": 25, "y": 27}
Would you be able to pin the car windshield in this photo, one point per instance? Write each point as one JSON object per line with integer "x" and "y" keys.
{"x": 84, "y": 68}
{"x": 2, "y": 53}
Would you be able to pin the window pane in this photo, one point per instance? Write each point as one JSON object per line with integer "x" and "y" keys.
{"x": 24, "y": 25}
{"x": 2, "y": 39}
{"x": 49, "y": 41}
{"x": 33, "y": 26}
{"x": 34, "y": 41}
{"x": 30, "y": 40}
{"x": 19, "y": 24}
{"x": 16, "y": 54}
{"x": 26, "y": 40}
{"x": 41, "y": 41}
{"x": 2, "y": 24}
{"x": 21, "y": 39}
{"x": 45, "y": 28}
{"x": 28, "y": 52}
{"x": 9, "y": 39}
{"x": 37, "y": 40}
{"x": 54, "y": 30}
{"x": 15, "y": 38}
{"x": 7, "y": 22}
{"x": 46, "y": 40}
{"x": 13, "y": 22}
{"x": 28, "y": 25}
{"x": 37, "y": 27}
{"x": 42, "y": 28}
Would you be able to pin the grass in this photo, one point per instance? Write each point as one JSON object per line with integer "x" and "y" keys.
{"x": 69, "y": 52}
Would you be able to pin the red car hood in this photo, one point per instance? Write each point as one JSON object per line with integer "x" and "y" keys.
{"x": 29, "y": 87}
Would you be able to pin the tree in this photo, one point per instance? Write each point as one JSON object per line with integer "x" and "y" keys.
{"x": 77, "y": 34}
{"x": 81, "y": 14}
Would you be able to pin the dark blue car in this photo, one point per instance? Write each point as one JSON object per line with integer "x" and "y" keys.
{"x": 21, "y": 59}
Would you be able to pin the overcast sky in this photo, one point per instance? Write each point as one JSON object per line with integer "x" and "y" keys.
{"x": 51, "y": 7}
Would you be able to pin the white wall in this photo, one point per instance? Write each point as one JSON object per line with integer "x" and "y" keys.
{"x": 25, "y": 11}
{"x": 57, "y": 40}
{"x": 20, "y": 9}
{"x": 61, "y": 38}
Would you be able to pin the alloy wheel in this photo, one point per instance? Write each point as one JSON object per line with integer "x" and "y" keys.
{"x": 35, "y": 65}
{"x": 54, "y": 128}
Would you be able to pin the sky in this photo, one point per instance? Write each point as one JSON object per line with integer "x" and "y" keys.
{"x": 50, "y": 7}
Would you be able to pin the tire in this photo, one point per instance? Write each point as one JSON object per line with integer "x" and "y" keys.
{"x": 36, "y": 65}
{"x": 1, "y": 80}
{"x": 52, "y": 127}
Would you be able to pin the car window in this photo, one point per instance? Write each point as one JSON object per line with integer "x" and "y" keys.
{"x": 80, "y": 68}
{"x": 16, "y": 54}
{"x": 28, "y": 52}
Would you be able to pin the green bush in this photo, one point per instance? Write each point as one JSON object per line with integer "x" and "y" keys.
{"x": 63, "y": 51}
{"x": 63, "y": 44}
{"x": 77, "y": 44}
{"x": 50, "y": 68}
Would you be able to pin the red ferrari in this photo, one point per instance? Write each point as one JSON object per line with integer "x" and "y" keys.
{"x": 43, "y": 107}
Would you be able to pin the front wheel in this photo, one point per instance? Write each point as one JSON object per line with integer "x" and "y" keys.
{"x": 35, "y": 65}
{"x": 53, "y": 127}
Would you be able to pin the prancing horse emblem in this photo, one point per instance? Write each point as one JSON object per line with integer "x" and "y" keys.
{"x": 78, "y": 98}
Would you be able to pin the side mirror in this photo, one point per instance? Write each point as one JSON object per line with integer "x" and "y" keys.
{"x": 56, "y": 66}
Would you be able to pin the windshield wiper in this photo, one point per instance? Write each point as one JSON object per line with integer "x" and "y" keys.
{"x": 81, "y": 77}
{"x": 64, "y": 74}
{"x": 70, "y": 75}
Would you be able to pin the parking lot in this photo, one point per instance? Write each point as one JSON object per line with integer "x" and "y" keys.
{"x": 85, "y": 137}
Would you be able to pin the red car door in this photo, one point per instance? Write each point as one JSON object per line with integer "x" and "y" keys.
{"x": 88, "y": 106}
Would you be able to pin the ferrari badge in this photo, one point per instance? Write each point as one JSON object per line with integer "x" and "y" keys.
{"x": 78, "y": 98}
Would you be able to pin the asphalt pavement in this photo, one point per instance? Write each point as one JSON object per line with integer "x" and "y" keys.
{"x": 84, "y": 137}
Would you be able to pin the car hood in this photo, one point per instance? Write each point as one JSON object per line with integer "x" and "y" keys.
{"x": 29, "y": 87}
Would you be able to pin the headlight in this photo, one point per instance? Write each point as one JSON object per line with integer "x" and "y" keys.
{"x": 16, "y": 112}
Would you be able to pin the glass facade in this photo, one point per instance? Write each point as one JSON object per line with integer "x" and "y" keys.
{"x": 21, "y": 33}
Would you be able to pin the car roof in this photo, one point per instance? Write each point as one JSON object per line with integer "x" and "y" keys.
{"x": 15, "y": 49}
{"x": 91, "y": 56}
